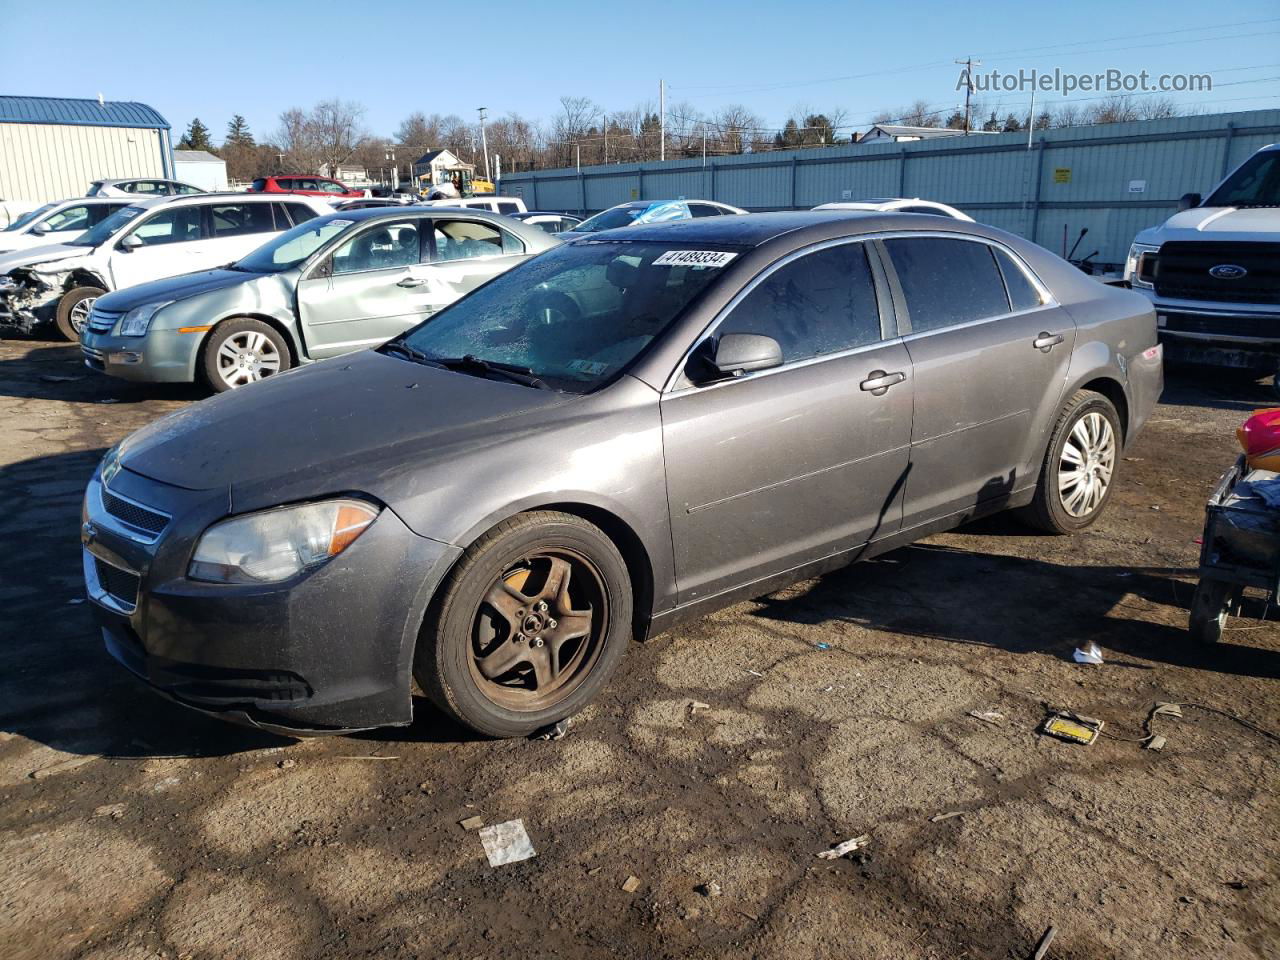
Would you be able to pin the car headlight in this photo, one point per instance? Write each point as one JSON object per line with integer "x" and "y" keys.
{"x": 138, "y": 320}
{"x": 274, "y": 545}
{"x": 110, "y": 464}
{"x": 1131, "y": 262}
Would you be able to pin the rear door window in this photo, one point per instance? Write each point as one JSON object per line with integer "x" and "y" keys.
{"x": 175, "y": 225}
{"x": 819, "y": 303}
{"x": 947, "y": 281}
{"x": 704, "y": 210}
{"x": 239, "y": 219}
{"x": 380, "y": 247}
{"x": 1022, "y": 292}
{"x": 300, "y": 212}
{"x": 466, "y": 240}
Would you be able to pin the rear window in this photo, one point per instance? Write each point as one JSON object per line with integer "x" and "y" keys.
{"x": 259, "y": 185}
{"x": 947, "y": 282}
{"x": 508, "y": 208}
{"x": 1022, "y": 293}
{"x": 238, "y": 219}
{"x": 300, "y": 212}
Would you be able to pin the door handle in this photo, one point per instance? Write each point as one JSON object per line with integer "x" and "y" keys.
{"x": 1046, "y": 341}
{"x": 879, "y": 382}
{"x": 410, "y": 282}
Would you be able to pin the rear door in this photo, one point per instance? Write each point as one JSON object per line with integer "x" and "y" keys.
{"x": 781, "y": 467}
{"x": 236, "y": 229}
{"x": 366, "y": 291}
{"x": 990, "y": 349}
{"x": 464, "y": 254}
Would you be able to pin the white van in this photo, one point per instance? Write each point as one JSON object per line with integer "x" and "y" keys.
{"x": 57, "y": 222}
{"x": 483, "y": 202}
{"x": 146, "y": 240}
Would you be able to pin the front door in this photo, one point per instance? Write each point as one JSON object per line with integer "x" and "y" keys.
{"x": 366, "y": 291}
{"x": 774, "y": 469}
{"x": 171, "y": 242}
{"x": 990, "y": 354}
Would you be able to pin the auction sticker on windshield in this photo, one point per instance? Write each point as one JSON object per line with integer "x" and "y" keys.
{"x": 694, "y": 258}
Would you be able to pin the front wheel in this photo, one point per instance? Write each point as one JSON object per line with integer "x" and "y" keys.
{"x": 1079, "y": 467}
{"x": 239, "y": 352}
{"x": 529, "y": 626}
{"x": 74, "y": 308}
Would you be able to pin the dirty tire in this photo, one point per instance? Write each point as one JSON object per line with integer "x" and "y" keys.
{"x": 1209, "y": 606}
{"x": 1047, "y": 511}
{"x": 266, "y": 342}
{"x": 68, "y": 315}
{"x": 465, "y": 629}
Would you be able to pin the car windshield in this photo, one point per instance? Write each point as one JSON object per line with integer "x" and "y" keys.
{"x": 108, "y": 228}
{"x": 293, "y": 247}
{"x": 629, "y": 214}
{"x": 1255, "y": 184}
{"x": 574, "y": 316}
{"x": 26, "y": 218}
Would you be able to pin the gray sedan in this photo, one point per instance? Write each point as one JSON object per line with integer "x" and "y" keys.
{"x": 615, "y": 436}
{"x": 329, "y": 286}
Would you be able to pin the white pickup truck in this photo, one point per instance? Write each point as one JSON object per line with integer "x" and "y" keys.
{"x": 1212, "y": 270}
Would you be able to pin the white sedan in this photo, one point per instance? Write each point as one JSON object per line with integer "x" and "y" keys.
{"x": 899, "y": 205}
{"x": 57, "y": 222}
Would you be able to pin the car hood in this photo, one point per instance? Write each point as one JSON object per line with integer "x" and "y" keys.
{"x": 365, "y": 422}
{"x": 45, "y": 254}
{"x": 1217, "y": 223}
{"x": 176, "y": 288}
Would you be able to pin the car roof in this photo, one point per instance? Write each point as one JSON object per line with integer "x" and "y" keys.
{"x": 755, "y": 229}
{"x": 139, "y": 180}
{"x": 147, "y": 202}
{"x": 418, "y": 209}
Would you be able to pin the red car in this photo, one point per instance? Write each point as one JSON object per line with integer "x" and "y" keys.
{"x": 308, "y": 184}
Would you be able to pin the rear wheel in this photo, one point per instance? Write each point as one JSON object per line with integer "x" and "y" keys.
{"x": 1079, "y": 467}
{"x": 239, "y": 352}
{"x": 74, "y": 308}
{"x": 529, "y": 626}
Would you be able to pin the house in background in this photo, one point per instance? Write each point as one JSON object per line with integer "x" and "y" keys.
{"x": 897, "y": 133}
{"x": 200, "y": 168}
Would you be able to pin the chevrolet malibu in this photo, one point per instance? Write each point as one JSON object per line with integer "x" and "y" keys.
{"x": 611, "y": 437}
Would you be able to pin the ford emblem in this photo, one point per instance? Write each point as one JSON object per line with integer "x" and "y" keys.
{"x": 1227, "y": 271}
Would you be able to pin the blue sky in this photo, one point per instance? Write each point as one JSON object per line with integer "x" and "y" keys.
{"x": 212, "y": 60}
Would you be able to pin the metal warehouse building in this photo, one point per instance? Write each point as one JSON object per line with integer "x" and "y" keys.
{"x": 52, "y": 147}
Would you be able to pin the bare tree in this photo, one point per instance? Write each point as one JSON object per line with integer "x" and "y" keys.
{"x": 335, "y": 127}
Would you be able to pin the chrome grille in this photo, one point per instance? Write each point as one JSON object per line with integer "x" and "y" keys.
{"x": 120, "y": 585}
{"x": 102, "y": 321}
{"x": 134, "y": 514}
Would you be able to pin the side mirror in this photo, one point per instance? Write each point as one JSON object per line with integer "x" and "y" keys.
{"x": 1188, "y": 201}
{"x": 40, "y": 229}
{"x": 738, "y": 353}
{"x": 131, "y": 242}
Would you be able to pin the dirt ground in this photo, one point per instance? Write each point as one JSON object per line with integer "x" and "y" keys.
{"x": 130, "y": 828}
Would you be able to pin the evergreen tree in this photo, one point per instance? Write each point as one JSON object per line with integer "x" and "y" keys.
{"x": 993, "y": 123}
{"x": 196, "y": 137}
{"x": 956, "y": 121}
{"x": 238, "y": 134}
{"x": 1011, "y": 124}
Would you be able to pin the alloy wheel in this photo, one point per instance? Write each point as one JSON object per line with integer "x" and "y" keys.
{"x": 80, "y": 313}
{"x": 246, "y": 357}
{"x": 1087, "y": 463}
{"x": 539, "y": 630}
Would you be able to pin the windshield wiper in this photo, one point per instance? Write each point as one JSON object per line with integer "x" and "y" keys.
{"x": 410, "y": 353}
{"x": 470, "y": 363}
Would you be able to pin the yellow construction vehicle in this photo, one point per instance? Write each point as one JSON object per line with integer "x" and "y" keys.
{"x": 453, "y": 182}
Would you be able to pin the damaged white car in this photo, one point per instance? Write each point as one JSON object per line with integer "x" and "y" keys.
{"x": 148, "y": 240}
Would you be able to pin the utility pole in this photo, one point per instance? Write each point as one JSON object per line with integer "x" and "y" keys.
{"x": 969, "y": 64}
{"x": 577, "y": 155}
{"x": 1031, "y": 117}
{"x": 662, "y": 120}
{"x": 484, "y": 145}
{"x": 704, "y": 146}
{"x": 605, "y": 120}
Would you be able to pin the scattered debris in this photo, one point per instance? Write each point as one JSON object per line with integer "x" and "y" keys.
{"x": 755, "y": 673}
{"x": 62, "y": 767}
{"x": 631, "y": 884}
{"x": 1186, "y": 899}
{"x": 1134, "y": 459}
{"x": 113, "y": 810}
{"x": 1157, "y": 742}
{"x": 697, "y": 706}
{"x": 1155, "y": 506}
{"x": 363, "y": 757}
{"x": 506, "y": 843}
{"x": 1235, "y": 884}
{"x": 58, "y": 378}
{"x": 553, "y": 731}
{"x": 1090, "y": 654}
{"x": 822, "y": 646}
{"x": 1168, "y": 709}
{"x": 1072, "y": 727}
{"x": 750, "y": 916}
{"x": 988, "y": 716}
{"x": 471, "y": 823}
{"x": 939, "y": 817}
{"x": 849, "y": 846}
{"x": 709, "y": 889}
{"x": 425, "y": 787}
{"x": 1043, "y": 947}
{"x": 286, "y": 764}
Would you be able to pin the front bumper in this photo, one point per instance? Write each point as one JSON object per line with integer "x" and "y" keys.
{"x": 329, "y": 651}
{"x": 161, "y": 356}
{"x": 1224, "y": 335}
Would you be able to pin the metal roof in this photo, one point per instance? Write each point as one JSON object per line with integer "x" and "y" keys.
{"x": 193, "y": 156}
{"x": 80, "y": 113}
